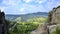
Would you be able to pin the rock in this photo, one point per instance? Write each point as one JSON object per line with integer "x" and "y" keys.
{"x": 52, "y": 29}
{"x": 54, "y": 19}
{"x": 42, "y": 29}
{"x": 4, "y": 24}
{"x": 0, "y": 28}
{"x": 53, "y": 23}
{"x": 34, "y": 32}
{"x": 54, "y": 16}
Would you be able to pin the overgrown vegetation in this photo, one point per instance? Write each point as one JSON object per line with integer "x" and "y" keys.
{"x": 25, "y": 27}
{"x": 57, "y": 31}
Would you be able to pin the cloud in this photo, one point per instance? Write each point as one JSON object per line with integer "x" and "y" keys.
{"x": 33, "y": 8}
{"x": 22, "y": 9}
{"x": 3, "y": 8}
{"x": 27, "y": 1}
{"x": 11, "y": 2}
{"x": 8, "y": 2}
{"x": 39, "y": 8}
{"x": 28, "y": 6}
{"x": 35, "y": 1}
{"x": 49, "y": 5}
{"x": 40, "y": 1}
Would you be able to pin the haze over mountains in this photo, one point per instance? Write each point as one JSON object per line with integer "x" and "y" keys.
{"x": 25, "y": 16}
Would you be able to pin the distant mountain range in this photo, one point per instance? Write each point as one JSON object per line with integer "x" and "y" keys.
{"x": 26, "y": 16}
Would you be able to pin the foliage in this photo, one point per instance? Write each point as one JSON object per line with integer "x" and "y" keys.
{"x": 25, "y": 27}
{"x": 57, "y": 30}
{"x": 18, "y": 19}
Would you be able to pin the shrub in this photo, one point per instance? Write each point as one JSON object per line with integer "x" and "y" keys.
{"x": 57, "y": 31}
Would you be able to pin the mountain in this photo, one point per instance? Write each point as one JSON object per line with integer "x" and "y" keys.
{"x": 26, "y": 16}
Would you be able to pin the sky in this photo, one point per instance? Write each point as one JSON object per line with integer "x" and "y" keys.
{"x": 27, "y": 6}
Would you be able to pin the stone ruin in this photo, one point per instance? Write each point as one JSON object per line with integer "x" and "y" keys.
{"x": 53, "y": 23}
{"x": 4, "y": 24}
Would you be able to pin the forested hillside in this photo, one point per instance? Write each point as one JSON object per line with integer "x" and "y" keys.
{"x": 26, "y": 16}
{"x": 24, "y": 24}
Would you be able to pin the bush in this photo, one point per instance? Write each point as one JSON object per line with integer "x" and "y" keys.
{"x": 57, "y": 30}
{"x": 25, "y": 27}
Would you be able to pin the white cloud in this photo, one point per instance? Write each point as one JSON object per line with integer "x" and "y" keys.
{"x": 39, "y": 8}
{"x": 51, "y": 4}
{"x": 33, "y": 8}
{"x": 35, "y": 1}
{"x": 8, "y": 2}
{"x": 27, "y": 1}
{"x": 40, "y": 1}
{"x": 11, "y": 2}
{"x": 3, "y": 8}
{"x": 10, "y": 6}
{"x": 17, "y": 6}
{"x": 22, "y": 9}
